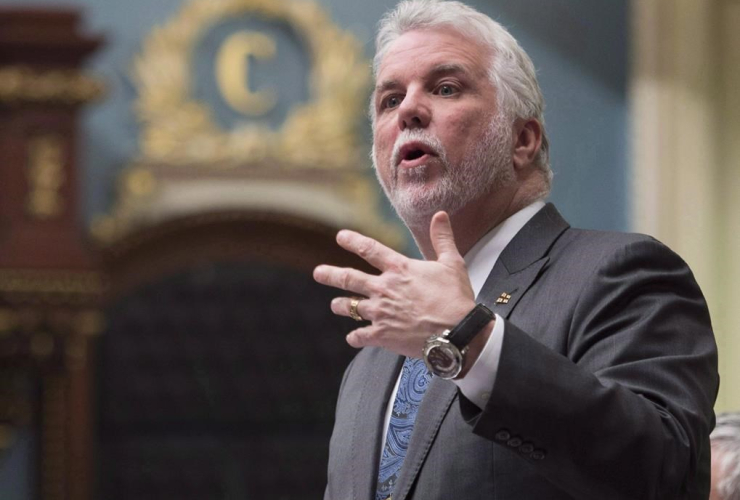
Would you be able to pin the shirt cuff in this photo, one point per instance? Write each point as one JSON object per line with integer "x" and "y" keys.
{"x": 478, "y": 382}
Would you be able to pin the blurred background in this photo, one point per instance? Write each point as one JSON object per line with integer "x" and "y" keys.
{"x": 171, "y": 171}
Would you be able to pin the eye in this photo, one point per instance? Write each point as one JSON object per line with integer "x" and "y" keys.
{"x": 391, "y": 102}
{"x": 446, "y": 90}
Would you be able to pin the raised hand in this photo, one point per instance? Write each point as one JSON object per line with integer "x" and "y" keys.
{"x": 410, "y": 300}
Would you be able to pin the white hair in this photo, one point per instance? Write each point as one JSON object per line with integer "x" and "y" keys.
{"x": 512, "y": 71}
{"x": 726, "y": 451}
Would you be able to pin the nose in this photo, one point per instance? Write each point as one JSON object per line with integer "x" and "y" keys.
{"x": 414, "y": 111}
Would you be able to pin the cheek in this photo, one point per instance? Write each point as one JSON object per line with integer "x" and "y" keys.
{"x": 383, "y": 142}
{"x": 479, "y": 125}
{"x": 472, "y": 125}
{"x": 462, "y": 132}
{"x": 382, "y": 148}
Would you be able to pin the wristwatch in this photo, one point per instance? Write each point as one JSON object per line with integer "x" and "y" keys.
{"x": 444, "y": 354}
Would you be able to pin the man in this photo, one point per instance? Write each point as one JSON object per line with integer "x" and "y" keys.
{"x": 726, "y": 458}
{"x": 567, "y": 364}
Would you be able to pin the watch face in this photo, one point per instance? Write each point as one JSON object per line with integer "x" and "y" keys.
{"x": 443, "y": 359}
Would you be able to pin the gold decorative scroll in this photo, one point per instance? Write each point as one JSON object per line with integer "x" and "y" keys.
{"x": 322, "y": 132}
{"x": 22, "y": 84}
{"x": 46, "y": 176}
{"x": 79, "y": 322}
{"x": 314, "y": 166}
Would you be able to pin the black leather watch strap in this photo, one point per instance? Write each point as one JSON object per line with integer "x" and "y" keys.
{"x": 470, "y": 326}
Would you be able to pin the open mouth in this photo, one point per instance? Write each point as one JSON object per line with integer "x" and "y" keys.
{"x": 414, "y": 154}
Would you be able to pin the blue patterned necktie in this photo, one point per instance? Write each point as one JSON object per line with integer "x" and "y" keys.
{"x": 414, "y": 381}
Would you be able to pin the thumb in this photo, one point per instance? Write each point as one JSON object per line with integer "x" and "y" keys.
{"x": 443, "y": 239}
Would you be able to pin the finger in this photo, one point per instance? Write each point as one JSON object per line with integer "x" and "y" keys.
{"x": 374, "y": 252}
{"x": 443, "y": 239}
{"x": 344, "y": 278}
{"x": 342, "y": 305}
{"x": 361, "y": 337}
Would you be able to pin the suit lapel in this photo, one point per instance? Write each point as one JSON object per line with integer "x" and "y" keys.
{"x": 367, "y": 432}
{"x": 522, "y": 261}
{"x": 437, "y": 401}
{"x": 516, "y": 269}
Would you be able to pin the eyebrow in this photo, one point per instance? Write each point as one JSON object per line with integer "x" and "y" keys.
{"x": 448, "y": 68}
{"x": 436, "y": 71}
{"x": 386, "y": 85}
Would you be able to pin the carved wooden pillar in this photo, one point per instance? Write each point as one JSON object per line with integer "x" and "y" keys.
{"x": 49, "y": 284}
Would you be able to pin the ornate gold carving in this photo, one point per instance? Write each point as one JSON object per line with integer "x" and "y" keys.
{"x": 319, "y": 133}
{"x": 47, "y": 283}
{"x": 45, "y": 176}
{"x": 232, "y": 72}
{"x": 314, "y": 166}
{"x": 136, "y": 188}
{"x": 23, "y": 84}
{"x": 139, "y": 182}
{"x": 46, "y": 304}
{"x": 43, "y": 330}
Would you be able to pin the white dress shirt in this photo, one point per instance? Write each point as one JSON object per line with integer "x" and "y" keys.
{"x": 479, "y": 260}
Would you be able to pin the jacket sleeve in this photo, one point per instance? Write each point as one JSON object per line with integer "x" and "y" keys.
{"x": 625, "y": 411}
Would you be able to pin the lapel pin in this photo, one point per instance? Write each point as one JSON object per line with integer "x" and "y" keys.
{"x": 503, "y": 298}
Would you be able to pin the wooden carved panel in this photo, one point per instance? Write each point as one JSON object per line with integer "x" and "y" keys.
{"x": 220, "y": 366}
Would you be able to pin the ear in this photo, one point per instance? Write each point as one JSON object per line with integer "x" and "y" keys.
{"x": 527, "y": 142}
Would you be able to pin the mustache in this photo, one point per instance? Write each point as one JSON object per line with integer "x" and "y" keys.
{"x": 416, "y": 135}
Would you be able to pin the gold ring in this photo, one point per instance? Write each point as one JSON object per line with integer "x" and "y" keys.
{"x": 353, "y": 313}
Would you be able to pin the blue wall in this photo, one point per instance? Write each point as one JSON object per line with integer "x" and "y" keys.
{"x": 578, "y": 46}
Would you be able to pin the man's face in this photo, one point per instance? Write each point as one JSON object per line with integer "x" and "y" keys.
{"x": 439, "y": 142}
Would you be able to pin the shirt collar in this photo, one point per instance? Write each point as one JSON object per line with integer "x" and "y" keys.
{"x": 481, "y": 258}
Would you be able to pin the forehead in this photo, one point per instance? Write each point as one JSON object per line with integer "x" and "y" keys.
{"x": 416, "y": 52}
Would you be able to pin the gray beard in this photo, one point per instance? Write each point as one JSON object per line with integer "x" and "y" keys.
{"x": 483, "y": 169}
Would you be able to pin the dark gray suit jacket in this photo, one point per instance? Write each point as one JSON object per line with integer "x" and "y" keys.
{"x": 605, "y": 387}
